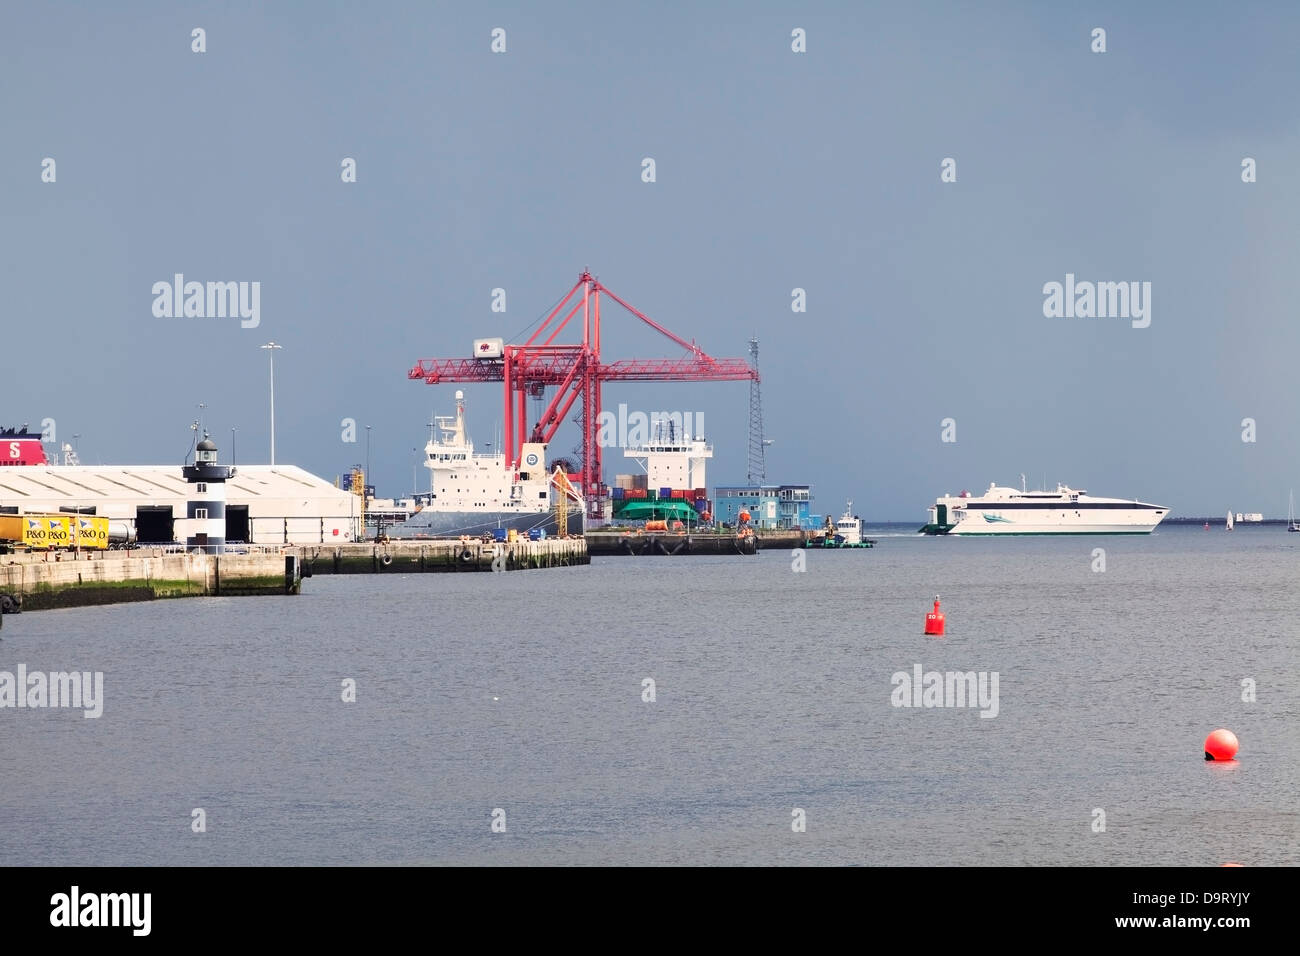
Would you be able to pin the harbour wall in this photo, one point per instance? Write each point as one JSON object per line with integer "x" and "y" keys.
{"x": 61, "y": 579}
{"x": 638, "y": 543}
{"x": 430, "y": 556}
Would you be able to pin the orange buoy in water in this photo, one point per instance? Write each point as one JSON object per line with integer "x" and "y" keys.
{"x": 1221, "y": 745}
{"x": 934, "y": 620}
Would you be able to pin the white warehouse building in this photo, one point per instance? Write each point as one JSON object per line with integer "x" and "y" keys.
{"x": 265, "y": 504}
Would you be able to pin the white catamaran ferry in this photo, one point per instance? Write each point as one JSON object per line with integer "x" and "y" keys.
{"x": 1063, "y": 511}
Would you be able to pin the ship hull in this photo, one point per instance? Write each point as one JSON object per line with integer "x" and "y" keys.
{"x": 453, "y": 524}
{"x": 1008, "y": 523}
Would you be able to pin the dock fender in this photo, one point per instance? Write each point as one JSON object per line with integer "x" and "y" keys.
{"x": 466, "y": 554}
{"x": 386, "y": 560}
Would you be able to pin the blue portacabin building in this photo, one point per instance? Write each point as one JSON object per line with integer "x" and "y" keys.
{"x": 769, "y": 506}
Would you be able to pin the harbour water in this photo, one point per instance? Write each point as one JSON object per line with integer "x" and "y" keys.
{"x": 773, "y": 687}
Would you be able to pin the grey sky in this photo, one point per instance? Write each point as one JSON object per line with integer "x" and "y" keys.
{"x": 775, "y": 170}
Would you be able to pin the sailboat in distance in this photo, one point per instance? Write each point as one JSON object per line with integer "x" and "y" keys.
{"x": 1291, "y": 523}
{"x": 1229, "y": 527}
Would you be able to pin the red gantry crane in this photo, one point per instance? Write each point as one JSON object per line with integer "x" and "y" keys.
{"x": 575, "y": 371}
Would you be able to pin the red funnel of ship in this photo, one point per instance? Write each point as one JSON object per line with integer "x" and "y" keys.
{"x": 18, "y": 446}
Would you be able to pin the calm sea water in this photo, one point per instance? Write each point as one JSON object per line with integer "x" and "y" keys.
{"x": 523, "y": 692}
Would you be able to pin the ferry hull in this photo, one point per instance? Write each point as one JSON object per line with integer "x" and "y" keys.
{"x": 1054, "y": 531}
{"x": 975, "y": 525}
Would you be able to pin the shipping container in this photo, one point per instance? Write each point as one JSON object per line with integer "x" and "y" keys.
{"x": 641, "y": 481}
{"x": 489, "y": 348}
{"x": 499, "y": 534}
{"x": 665, "y": 492}
{"x": 619, "y": 493}
{"x": 513, "y": 535}
{"x": 92, "y": 532}
{"x": 536, "y": 534}
{"x": 38, "y": 531}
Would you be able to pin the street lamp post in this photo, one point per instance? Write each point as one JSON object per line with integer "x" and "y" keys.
{"x": 366, "y": 480}
{"x": 271, "y": 346}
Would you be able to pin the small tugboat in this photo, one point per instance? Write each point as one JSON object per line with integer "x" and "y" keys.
{"x": 845, "y": 533}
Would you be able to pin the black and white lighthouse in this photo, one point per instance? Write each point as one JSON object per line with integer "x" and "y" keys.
{"x": 206, "y": 507}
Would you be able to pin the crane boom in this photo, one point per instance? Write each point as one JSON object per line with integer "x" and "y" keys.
{"x": 575, "y": 371}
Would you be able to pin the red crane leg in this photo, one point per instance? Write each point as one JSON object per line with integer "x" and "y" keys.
{"x": 521, "y": 421}
{"x": 560, "y": 327}
{"x": 554, "y": 426}
{"x": 554, "y": 312}
{"x": 553, "y": 415}
{"x": 508, "y": 436}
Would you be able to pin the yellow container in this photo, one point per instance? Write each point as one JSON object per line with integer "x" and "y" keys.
{"x": 513, "y": 535}
{"x": 58, "y": 530}
{"x": 92, "y": 532}
{"x": 12, "y": 529}
{"x": 35, "y": 531}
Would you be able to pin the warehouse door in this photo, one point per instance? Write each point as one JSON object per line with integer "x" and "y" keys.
{"x": 237, "y": 524}
{"x": 153, "y": 524}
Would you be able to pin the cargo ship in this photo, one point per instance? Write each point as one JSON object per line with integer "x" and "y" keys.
{"x": 672, "y": 484}
{"x": 475, "y": 494}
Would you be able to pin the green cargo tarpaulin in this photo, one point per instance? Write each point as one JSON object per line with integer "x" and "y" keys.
{"x": 665, "y": 509}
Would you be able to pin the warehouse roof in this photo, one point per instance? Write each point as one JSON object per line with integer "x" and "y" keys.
{"x": 88, "y": 483}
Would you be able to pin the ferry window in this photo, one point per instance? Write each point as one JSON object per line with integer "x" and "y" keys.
{"x": 201, "y": 487}
{"x": 200, "y": 513}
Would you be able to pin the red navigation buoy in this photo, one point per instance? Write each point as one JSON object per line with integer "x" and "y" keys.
{"x": 934, "y": 620}
{"x": 1221, "y": 745}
